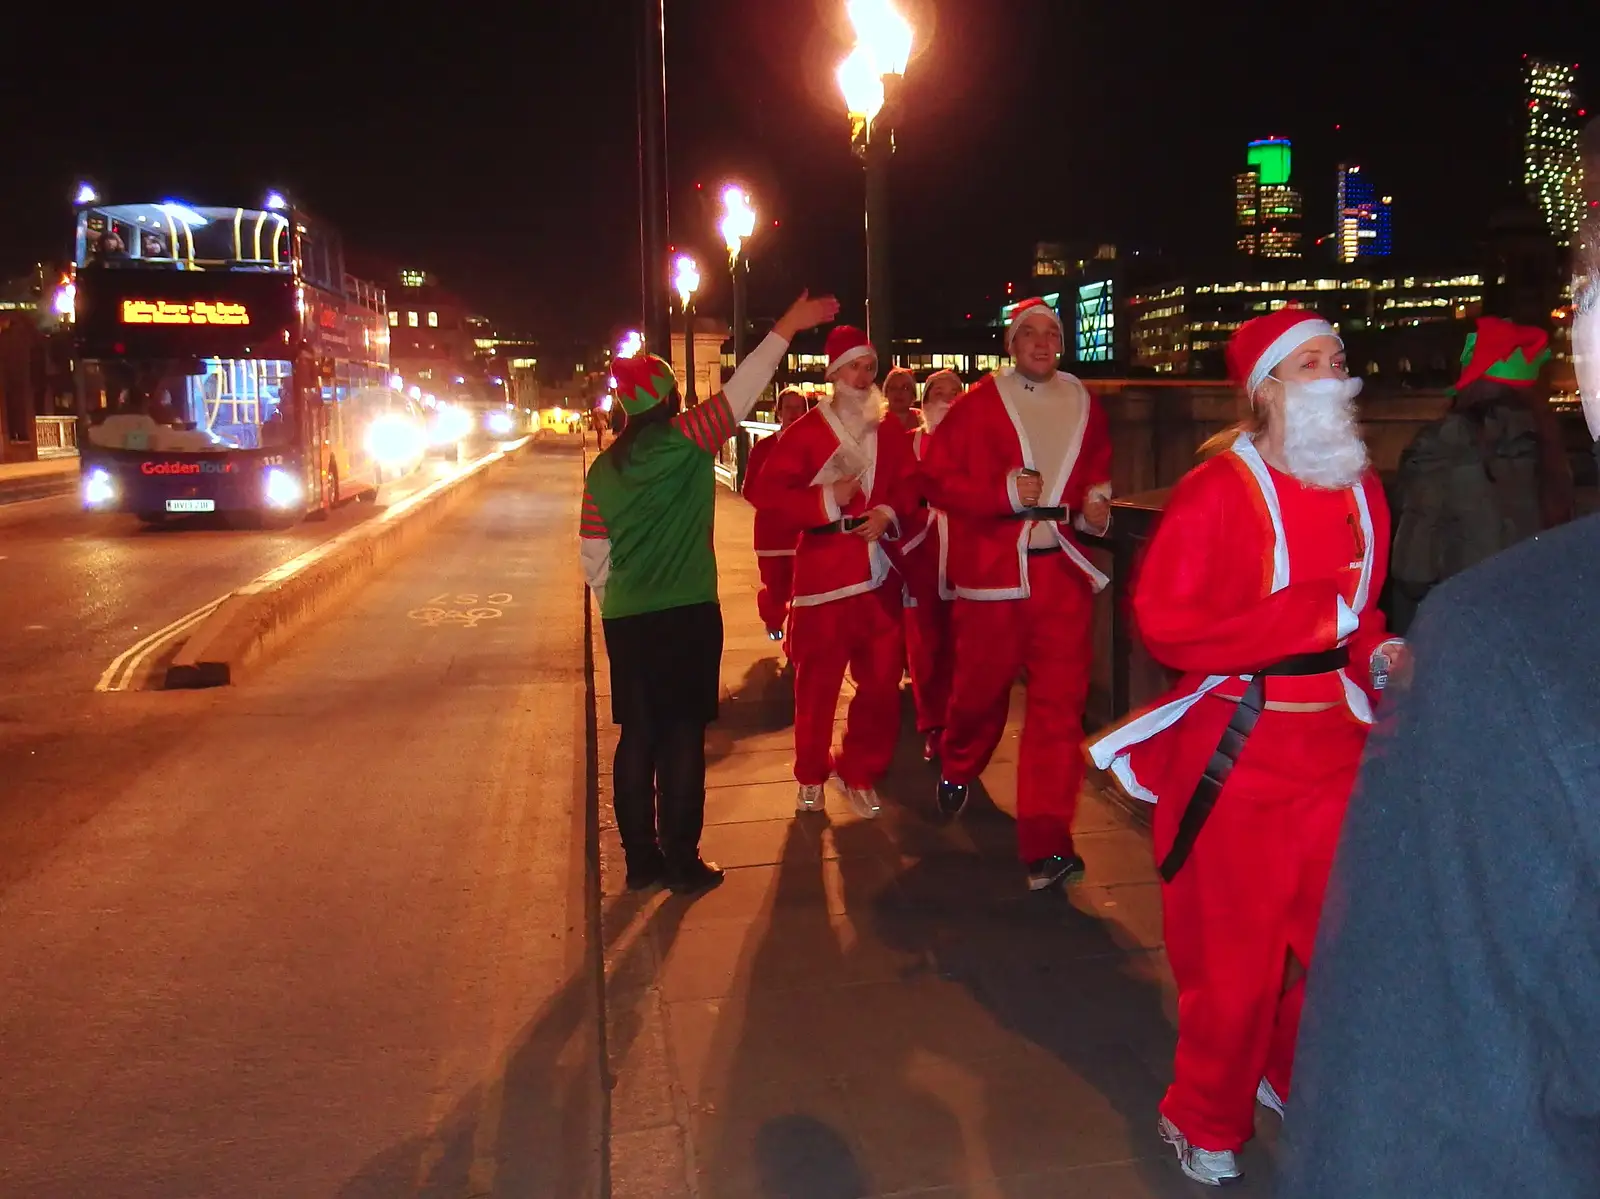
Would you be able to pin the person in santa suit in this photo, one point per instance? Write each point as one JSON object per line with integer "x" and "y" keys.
{"x": 1021, "y": 461}
{"x": 1261, "y": 585}
{"x": 841, "y": 473}
{"x": 900, "y": 397}
{"x": 927, "y": 594}
{"x": 775, "y": 540}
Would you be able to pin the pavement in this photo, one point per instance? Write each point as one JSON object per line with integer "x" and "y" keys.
{"x": 45, "y": 478}
{"x": 876, "y": 1008}
{"x": 322, "y": 933}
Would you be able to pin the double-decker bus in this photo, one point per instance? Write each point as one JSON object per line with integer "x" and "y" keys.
{"x": 226, "y": 363}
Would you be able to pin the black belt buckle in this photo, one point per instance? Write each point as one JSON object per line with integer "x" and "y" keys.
{"x": 1043, "y": 513}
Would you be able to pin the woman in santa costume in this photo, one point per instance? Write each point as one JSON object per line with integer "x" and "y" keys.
{"x": 927, "y": 594}
{"x": 1261, "y": 585}
{"x": 775, "y": 540}
{"x": 841, "y": 473}
{"x": 1021, "y": 461}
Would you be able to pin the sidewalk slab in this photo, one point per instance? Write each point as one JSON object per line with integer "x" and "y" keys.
{"x": 878, "y": 1008}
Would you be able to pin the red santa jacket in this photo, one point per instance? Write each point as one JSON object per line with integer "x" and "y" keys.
{"x": 1220, "y": 595}
{"x": 970, "y": 474}
{"x": 775, "y": 538}
{"x": 924, "y": 533}
{"x": 795, "y": 486}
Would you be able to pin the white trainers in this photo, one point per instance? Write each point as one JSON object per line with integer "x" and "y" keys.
{"x": 810, "y": 799}
{"x": 1268, "y": 1098}
{"x": 863, "y": 801}
{"x": 1213, "y": 1167}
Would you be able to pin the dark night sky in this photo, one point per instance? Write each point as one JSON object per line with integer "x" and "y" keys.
{"x": 495, "y": 143}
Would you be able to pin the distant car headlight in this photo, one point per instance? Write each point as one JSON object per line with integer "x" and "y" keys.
{"x": 450, "y": 425}
{"x": 282, "y": 489}
{"x": 394, "y": 441}
{"x": 500, "y": 423}
{"x": 98, "y": 488}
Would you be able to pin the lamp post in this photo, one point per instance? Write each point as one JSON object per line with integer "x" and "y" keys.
{"x": 653, "y": 225}
{"x": 870, "y": 78}
{"x": 687, "y": 281}
{"x": 738, "y": 223}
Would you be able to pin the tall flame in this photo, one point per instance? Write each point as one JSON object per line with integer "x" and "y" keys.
{"x": 739, "y": 221}
{"x": 884, "y": 33}
{"x": 687, "y": 280}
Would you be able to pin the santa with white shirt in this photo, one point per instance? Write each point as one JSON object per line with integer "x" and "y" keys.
{"x": 842, "y": 474}
{"x": 1261, "y": 585}
{"x": 927, "y": 593}
{"x": 1021, "y": 464}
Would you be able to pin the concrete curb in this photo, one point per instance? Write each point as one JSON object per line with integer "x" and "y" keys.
{"x": 258, "y": 619}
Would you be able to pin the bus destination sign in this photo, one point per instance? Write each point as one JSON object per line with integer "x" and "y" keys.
{"x": 197, "y": 312}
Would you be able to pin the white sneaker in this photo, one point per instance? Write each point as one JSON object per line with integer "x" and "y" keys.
{"x": 810, "y": 798}
{"x": 1268, "y": 1098}
{"x": 1213, "y": 1167}
{"x": 863, "y": 801}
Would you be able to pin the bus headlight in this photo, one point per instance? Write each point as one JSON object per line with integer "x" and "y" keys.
{"x": 500, "y": 423}
{"x": 394, "y": 442}
{"x": 283, "y": 490}
{"x": 98, "y": 488}
{"x": 451, "y": 424}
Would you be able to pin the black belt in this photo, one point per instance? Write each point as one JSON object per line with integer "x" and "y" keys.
{"x": 848, "y": 524}
{"x": 1041, "y": 551}
{"x": 1231, "y": 745}
{"x": 1056, "y": 513}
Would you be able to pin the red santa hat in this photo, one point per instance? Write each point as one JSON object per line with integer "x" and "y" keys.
{"x": 1262, "y": 343}
{"x": 1034, "y": 309}
{"x": 845, "y": 344}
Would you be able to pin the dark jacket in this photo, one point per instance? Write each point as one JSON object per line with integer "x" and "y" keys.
{"x": 1451, "y": 1040}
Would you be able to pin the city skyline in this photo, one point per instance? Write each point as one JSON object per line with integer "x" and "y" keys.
{"x": 500, "y": 152}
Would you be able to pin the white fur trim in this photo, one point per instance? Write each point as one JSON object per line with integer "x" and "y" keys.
{"x": 1036, "y": 310}
{"x": 1295, "y": 336}
{"x": 1246, "y": 449}
{"x": 849, "y": 355}
{"x": 775, "y": 553}
{"x": 1110, "y": 751}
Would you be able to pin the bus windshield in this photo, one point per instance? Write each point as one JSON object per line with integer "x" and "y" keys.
{"x": 175, "y": 235}
{"x": 188, "y": 405}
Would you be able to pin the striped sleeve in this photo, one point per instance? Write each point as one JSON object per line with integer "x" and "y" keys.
{"x": 708, "y": 425}
{"x": 591, "y": 525}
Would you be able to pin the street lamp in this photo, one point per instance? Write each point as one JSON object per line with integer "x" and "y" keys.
{"x": 738, "y": 223}
{"x": 687, "y": 282}
{"x": 870, "y": 79}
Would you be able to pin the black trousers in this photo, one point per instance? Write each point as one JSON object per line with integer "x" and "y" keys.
{"x": 665, "y": 679}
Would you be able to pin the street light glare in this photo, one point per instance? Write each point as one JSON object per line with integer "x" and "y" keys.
{"x": 687, "y": 280}
{"x": 883, "y": 32}
{"x": 739, "y": 221}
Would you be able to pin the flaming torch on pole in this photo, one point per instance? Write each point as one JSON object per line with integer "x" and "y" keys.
{"x": 686, "y": 281}
{"x": 738, "y": 223}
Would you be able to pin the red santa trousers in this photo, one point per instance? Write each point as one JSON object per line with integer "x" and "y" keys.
{"x": 928, "y": 653}
{"x": 777, "y": 589}
{"x": 1248, "y": 897}
{"x": 1048, "y": 636}
{"x": 861, "y": 633}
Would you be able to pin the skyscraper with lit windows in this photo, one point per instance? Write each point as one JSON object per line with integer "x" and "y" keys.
{"x": 1363, "y": 228}
{"x": 1552, "y": 168}
{"x": 1267, "y": 209}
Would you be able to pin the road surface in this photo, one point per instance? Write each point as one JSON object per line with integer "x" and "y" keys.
{"x": 322, "y": 933}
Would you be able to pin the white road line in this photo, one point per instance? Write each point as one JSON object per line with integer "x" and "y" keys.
{"x": 125, "y": 667}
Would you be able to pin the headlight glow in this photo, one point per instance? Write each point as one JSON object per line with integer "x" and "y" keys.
{"x": 98, "y": 489}
{"x": 395, "y": 441}
{"x": 283, "y": 490}
{"x": 500, "y": 423}
{"x": 450, "y": 424}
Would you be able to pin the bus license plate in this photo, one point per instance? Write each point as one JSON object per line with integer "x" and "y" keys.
{"x": 191, "y": 505}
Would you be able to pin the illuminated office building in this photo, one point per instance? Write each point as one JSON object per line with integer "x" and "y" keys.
{"x": 1362, "y": 228}
{"x": 1552, "y": 169}
{"x": 1266, "y": 206}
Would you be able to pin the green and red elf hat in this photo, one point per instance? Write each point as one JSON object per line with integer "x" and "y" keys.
{"x": 1505, "y": 352}
{"x": 643, "y": 382}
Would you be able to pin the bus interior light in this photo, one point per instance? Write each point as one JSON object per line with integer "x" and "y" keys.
{"x": 283, "y": 490}
{"x": 182, "y": 212}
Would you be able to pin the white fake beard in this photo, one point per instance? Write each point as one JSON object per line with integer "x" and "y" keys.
{"x": 1322, "y": 443}
{"x": 859, "y": 411}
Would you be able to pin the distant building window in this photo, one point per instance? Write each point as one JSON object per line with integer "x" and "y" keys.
{"x": 394, "y": 319}
{"x": 413, "y": 278}
{"x": 411, "y": 319}
{"x": 433, "y": 320}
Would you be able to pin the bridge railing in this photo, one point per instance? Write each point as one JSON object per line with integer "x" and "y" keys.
{"x": 55, "y": 436}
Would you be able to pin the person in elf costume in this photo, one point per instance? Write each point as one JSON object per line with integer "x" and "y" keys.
{"x": 927, "y": 594}
{"x": 775, "y": 541}
{"x": 647, "y": 552}
{"x": 842, "y": 473}
{"x": 1261, "y": 585}
{"x": 1020, "y": 465}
